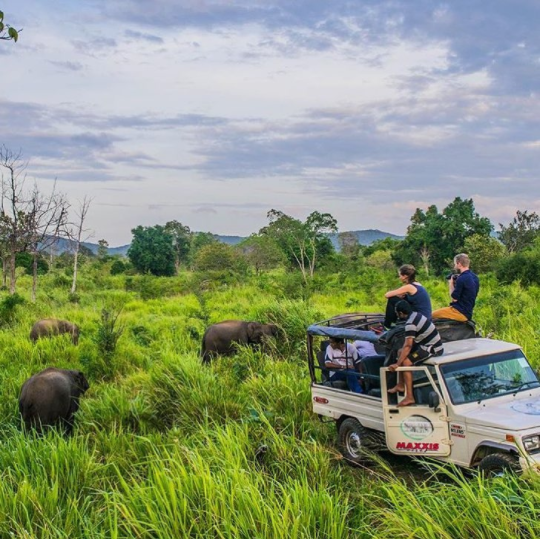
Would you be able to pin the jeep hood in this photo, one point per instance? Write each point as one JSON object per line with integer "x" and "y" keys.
{"x": 513, "y": 415}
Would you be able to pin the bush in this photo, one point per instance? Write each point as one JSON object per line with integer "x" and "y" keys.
{"x": 8, "y": 307}
{"x": 523, "y": 266}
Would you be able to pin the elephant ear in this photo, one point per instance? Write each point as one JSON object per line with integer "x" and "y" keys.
{"x": 274, "y": 330}
{"x": 252, "y": 328}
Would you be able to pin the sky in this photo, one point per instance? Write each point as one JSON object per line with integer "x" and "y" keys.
{"x": 212, "y": 112}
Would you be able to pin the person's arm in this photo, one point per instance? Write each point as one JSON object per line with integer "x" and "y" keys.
{"x": 456, "y": 288}
{"x": 401, "y": 291}
{"x": 328, "y": 359}
{"x": 404, "y": 354}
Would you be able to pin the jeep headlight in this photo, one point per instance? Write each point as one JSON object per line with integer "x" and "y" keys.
{"x": 532, "y": 443}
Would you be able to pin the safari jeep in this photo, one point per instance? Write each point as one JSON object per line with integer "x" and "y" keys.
{"x": 477, "y": 405}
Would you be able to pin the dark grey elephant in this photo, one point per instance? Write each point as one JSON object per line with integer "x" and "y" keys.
{"x": 220, "y": 339}
{"x": 51, "y": 398}
{"x": 48, "y": 327}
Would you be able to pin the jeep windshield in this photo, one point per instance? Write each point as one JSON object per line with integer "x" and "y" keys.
{"x": 489, "y": 376}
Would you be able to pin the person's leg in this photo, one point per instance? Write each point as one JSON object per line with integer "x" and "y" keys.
{"x": 450, "y": 313}
{"x": 408, "y": 381}
{"x": 399, "y": 387}
{"x": 390, "y": 316}
{"x": 353, "y": 382}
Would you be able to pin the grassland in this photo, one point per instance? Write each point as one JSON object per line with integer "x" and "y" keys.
{"x": 165, "y": 448}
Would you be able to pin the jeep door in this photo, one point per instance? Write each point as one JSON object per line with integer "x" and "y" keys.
{"x": 419, "y": 429}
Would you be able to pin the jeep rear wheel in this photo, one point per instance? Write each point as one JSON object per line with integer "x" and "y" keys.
{"x": 497, "y": 464}
{"x": 354, "y": 441}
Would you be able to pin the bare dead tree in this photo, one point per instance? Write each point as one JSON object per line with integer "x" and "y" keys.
{"x": 47, "y": 216}
{"x": 14, "y": 206}
{"x": 78, "y": 234}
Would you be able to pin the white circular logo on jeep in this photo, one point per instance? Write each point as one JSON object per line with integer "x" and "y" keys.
{"x": 527, "y": 407}
{"x": 416, "y": 427}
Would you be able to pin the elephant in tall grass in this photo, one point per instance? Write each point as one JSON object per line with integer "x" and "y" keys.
{"x": 51, "y": 398}
{"x": 49, "y": 327}
{"x": 221, "y": 338}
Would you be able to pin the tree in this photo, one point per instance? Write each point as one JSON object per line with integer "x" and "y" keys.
{"x": 521, "y": 232}
{"x": 103, "y": 249}
{"x": 46, "y": 217}
{"x": 181, "y": 238}
{"x": 261, "y": 252}
{"x": 485, "y": 253}
{"x": 215, "y": 257}
{"x": 440, "y": 235}
{"x": 348, "y": 244}
{"x": 197, "y": 241}
{"x": 29, "y": 220}
{"x": 152, "y": 251}
{"x": 7, "y": 32}
{"x": 76, "y": 234}
{"x": 302, "y": 242}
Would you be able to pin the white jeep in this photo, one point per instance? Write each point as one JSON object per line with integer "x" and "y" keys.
{"x": 477, "y": 405}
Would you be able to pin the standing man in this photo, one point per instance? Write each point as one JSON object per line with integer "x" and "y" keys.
{"x": 422, "y": 341}
{"x": 463, "y": 289}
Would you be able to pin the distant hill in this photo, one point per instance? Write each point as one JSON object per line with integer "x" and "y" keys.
{"x": 365, "y": 237}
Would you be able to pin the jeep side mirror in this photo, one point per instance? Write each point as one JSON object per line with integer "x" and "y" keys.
{"x": 434, "y": 401}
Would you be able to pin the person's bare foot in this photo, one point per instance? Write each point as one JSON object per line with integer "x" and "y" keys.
{"x": 407, "y": 402}
{"x": 396, "y": 389}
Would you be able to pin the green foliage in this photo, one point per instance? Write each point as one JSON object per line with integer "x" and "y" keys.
{"x": 261, "y": 252}
{"x": 433, "y": 238}
{"x": 521, "y": 232}
{"x": 198, "y": 241}
{"x": 103, "y": 249}
{"x": 151, "y": 250}
{"x": 119, "y": 266}
{"x": 381, "y": 259}
{"x": 8, "y": 308}
{"x": 523, "y": 266}
{"x": 218, "y": 257}
{"x": 7, "y": 32}
{"x": 181, "y": 240}
{"x": 484, "y": 252}
{"x": 26, "y": 260}
{"x": 303, "y": 243}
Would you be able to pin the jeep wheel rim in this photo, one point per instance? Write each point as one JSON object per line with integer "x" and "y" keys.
{"x": 354, "y": 444}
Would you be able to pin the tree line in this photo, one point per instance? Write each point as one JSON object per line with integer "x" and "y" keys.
{"x": 433, "y": 238}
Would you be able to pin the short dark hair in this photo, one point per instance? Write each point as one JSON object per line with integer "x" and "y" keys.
{"x": 338, "y": 340}
{"x": 403, "y": 307}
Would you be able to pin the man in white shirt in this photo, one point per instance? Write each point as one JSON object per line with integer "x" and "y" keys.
{"x": 342, "y": 356}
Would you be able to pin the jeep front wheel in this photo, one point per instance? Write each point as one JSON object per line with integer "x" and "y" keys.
{"x": 497, "y": 464}
{"x": 354, "y": 440}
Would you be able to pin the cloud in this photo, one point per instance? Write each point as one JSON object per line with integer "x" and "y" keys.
{"x": 67, "y": 66}
{"x": 142, "y": 36}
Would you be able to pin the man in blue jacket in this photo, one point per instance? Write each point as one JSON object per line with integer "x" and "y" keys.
{"x": 463, "y": 288}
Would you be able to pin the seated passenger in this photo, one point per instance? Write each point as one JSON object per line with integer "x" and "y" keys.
{"x": 342, "y": 356}
{"x": 364, "y": 348}
{"x": 463, "y": 287}
{"x": 412, "y": 291}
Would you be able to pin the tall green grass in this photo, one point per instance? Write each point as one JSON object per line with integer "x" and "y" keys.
{"x": 166, "y": 447}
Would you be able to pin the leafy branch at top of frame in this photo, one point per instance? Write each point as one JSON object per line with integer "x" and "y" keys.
{"x": 7, "y": 32}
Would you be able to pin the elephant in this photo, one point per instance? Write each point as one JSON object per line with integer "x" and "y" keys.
{"x": 221, "y": 338}
{"x": 49, "y": 327}
{"x": 51, "y": 398}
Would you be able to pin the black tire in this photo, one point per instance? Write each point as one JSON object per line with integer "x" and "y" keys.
{"x": 354, "y": 441}
{"x": 497, "y": 464}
